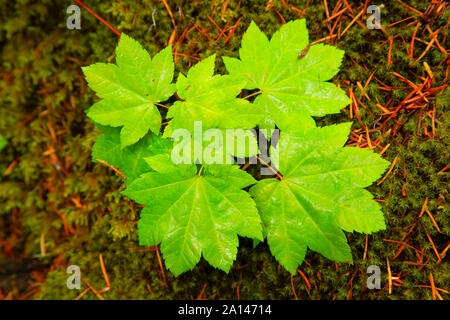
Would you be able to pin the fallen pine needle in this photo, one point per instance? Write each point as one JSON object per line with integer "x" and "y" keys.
{"x": 389, "y": 276}
{"x": 161, "y": 266}
{"x": 404, "y": 244}
{"x": 293, "y": 289}
{"x": 169, "y": 12}
{"x": 308, "y": 285}
{"x": 42, "y": 244}
{"x": 433, "y": 221}
{"x": 105, "y": 275}
{"x": 433, "y": 288}
{"x": 111, "y": 167}
{"x": 384, "y": 149}
{"x": 365, "y": 247}
{"x": 389, "y": 171}
{"x": 93, "y": 289}
{"x": 353, "y": 21}
{"x": 200, "y": 296}
{"x": 98, "y": 17}
{"x": 423, "y": 206}
{"x": 433, "y": 246}
{"x": 82, "y": 294}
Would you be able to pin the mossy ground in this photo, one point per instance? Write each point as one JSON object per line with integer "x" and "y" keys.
{"x": 58, "y": 208}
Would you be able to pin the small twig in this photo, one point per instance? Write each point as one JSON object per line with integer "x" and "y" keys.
{"x": 98, "y": 17}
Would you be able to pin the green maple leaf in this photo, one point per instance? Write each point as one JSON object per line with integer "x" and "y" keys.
{"x": 193, "y": 215}
{"x": 292, "y": 88}
{"x": 130, "y": 89}
{"x": 212, "y": 100}
{"x": 129, "y": 160}
{"x": 2, "y": 143}
{"x": 321, "y": 194}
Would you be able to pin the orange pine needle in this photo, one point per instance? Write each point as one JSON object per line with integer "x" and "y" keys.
{"x": 98, "y": 17}
{"x": 394, "y": 23}
{"x": 433, "y": 221}
{"x": 365, "y": 247}
{"x": 42, "y": 244}
{"x": 404, "y": 244}
{"x": 444, "y": 252}
{"x": 368, "y": 138}
{"x": 389, "y": 275}
{"x": 105, "y": 275}
{"x": 280, "y": 177}
{"x": 161, "y": 266}
{"x": 111, "y": 167}
{"x": 389, "y": 171}
{"x": 386, "y": 111}
{"x": 67, "y": 229}
{"x": 215, "y": 24}
{"x": 433, "y": 246}
{"x": 353, "y": 21}
{"x": 82, "y": 294}
{"x": 92, "y": 288}
{"x": 423, "y": 206}
{"x": 169, "y": 12}
{"x": 384, "y": 149}
{"x": 433, "y": 288}
{"x": 428, "y": 46}
{"x": 323, "y": 39}
{"x": 200, "y": 296}
{"x": 428, "y": 69}
{"x": 224, "y": 8}
{"x": 308, "y": 285}
{"x": 437, "y": 289}
{"x": 293, "y": 289}
{"x": 362, "y": 90}
{"x": 10, "y": 168}
{"x": 409, "y": 7}
{"x": 391, "y": 42}
{"x": 411, "y": 48}
{"x": 233, "y": 28}
{"x": 369, "y": 79}
{"x": 172, "y": 40}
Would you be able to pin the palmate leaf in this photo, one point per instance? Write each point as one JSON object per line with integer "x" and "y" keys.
{"x": 212, "y": 100}
{"x": 130, "y": 89}
{"x": 129, "y": 160}
{"x": 292, "y": 88}
{"x": 321, "y": 194}
{"x": 193, "y": 215}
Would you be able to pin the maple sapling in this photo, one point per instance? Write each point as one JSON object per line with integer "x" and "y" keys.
{"x": 315, "y": 189}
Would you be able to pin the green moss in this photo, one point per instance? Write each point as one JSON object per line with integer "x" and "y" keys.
{"x": 43, "y": 98}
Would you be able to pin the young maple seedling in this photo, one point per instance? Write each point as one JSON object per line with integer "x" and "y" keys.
{"x": 199, "y": 210}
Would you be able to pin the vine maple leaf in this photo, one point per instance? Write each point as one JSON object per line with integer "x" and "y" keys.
{"x": 292, "y": 87}
{"x": 211, "y": 99}
{"x": 131, "y": 89}
{"x": 195, "y": 213}
{"x": 130, "y": 160}
{"x": 320, "y": 194}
